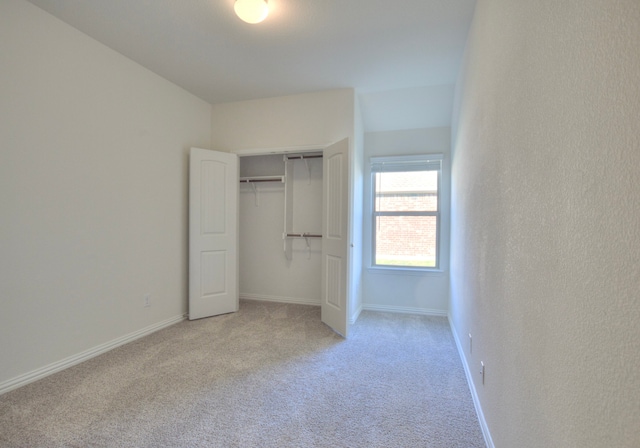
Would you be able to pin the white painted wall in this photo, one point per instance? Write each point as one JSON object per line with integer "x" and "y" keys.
{"x": 93, "y": 191}
{"x": 406, "y": 291}
{"x": 411, "y": 108}
{"x": 357, "y": 215}
{"x": 545, "y": 271}
{"x": 319, "y": 118}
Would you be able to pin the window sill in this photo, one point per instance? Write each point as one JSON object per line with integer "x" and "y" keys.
{"x": 406, "y": 271}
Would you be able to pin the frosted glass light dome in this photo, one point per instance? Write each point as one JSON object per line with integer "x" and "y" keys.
{"x": 251, "y": 11}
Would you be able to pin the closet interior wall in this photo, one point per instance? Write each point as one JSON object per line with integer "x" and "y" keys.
{"x": 267, "y": 272}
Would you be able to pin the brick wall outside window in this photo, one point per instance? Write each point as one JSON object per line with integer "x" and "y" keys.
{"x": 406, "y": 240}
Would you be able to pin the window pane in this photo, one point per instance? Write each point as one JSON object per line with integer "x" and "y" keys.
{"x": 407, "y": 191}
{"x": 406, "y": 241}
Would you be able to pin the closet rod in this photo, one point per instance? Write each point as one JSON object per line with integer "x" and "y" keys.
{"x": 303, "y": 235}
{"x": 257, "y": 179}
{"x": 315, "y": 156}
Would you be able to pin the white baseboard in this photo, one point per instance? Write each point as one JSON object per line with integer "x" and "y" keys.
{"x": 50, "y": 369}
{"x": 404, "y": 310}
{"x": 280, "y": 299}
{"x": 474, "y": 394}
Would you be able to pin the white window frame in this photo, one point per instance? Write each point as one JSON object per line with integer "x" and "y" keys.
{"x": 424, "y": 162}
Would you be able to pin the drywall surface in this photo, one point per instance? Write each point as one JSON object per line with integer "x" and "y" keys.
{"x": 545, "y": 259}
{"x": 410, "y": 108}
{"x": 265, "y": 271}
{"x": 356, "y": 215}
{"x": 93, "y": 191}
{"x": 319, "y": 118}
{"x": 408, "y": 291}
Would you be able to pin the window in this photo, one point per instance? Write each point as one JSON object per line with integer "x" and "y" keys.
{"x": 406, "y": 211}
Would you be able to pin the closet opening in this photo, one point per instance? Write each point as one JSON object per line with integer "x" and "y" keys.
{"x": 280, "y": 227}
{"x": 270, "y": 227}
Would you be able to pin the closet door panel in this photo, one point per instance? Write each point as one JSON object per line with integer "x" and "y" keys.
{"x": 213, "y": 233}
{"x": 335, "y": 229}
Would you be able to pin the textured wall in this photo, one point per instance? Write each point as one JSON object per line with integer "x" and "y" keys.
{"x": 545, "y": 256}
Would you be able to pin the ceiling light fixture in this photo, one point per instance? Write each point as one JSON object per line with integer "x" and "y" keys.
{"x": 251, "y": 11}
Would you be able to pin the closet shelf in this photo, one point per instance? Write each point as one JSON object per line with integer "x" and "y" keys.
{"x": 303, "y": 157}
{"x": 302, "y": 235}
{"x": 249, "y": 180}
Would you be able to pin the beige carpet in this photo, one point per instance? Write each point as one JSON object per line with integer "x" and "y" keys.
{"x": 271, "y": 375}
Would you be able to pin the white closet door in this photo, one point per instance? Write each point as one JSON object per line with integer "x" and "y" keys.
{"x": 335, "y": 231}
{"x": 213, "y": 233}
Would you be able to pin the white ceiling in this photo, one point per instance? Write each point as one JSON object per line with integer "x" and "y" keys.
{"x": 302, "y": 46}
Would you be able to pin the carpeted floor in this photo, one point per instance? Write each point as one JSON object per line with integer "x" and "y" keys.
{"x": 271, "y": 375}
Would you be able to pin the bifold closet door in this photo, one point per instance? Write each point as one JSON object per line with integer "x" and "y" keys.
{"x": 335, "y": 231}
{"x": 213, "y": 233}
